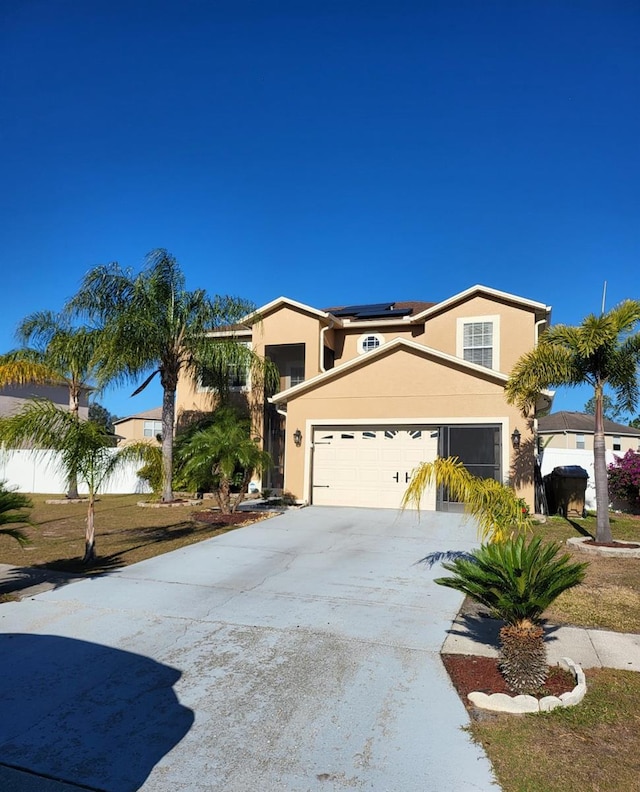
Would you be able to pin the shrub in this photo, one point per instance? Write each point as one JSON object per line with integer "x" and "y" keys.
{"x": 624, "y": 478}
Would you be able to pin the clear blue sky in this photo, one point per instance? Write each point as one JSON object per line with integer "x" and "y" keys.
{"x": 331, "y": 151}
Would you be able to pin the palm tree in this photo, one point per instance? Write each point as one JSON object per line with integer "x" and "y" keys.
{"x": 12, "y": 512}
{"x": 517, "y": 581}
{"x": 83, "y": 449}
{"x": 601, "y": 351}
{"x": 54, "y": 352}
{"x": 151, "y": 323}
{"x": 219, "y": 455}
{"x": 499, "y": 512}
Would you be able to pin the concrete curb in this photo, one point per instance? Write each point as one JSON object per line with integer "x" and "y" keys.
{"x": 520, "y": 705}
{"x": 580, "y": 543}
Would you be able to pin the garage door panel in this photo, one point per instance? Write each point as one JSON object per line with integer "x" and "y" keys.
{"x": 371, "y": 466}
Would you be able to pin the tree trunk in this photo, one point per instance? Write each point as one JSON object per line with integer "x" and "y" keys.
{"x": 603, "y": 528}
{"x": 243, "y": 489}
{"x": 74, "y": 409}
{"x": 523, "y": 657}
{"x": 89, "y": 538}
{"x": 168, "y": 414}
{"x": 224, "y": 497}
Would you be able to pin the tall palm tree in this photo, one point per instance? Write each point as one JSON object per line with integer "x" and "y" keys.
{"x": 54, "y": 352}
{"x": 152, "y": 325}
{"x": 517, "y": 580}
{"x": 83, "y": 449}
{"x": 499, "y": 512}
{"x": 220, "y": 454}
{"x": 601, "y": 351}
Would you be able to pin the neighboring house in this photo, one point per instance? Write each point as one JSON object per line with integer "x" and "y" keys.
{"x": 142, "y": 426}
{"x": 13, "y": 397}
{"x": 575, "y": 430}
{"x": 566, "y": 438}
{"x": 367, "y": 392}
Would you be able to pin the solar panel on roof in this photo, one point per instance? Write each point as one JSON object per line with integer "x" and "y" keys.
{"x": 383, "y": 314}
{"x": 352, "y": 310}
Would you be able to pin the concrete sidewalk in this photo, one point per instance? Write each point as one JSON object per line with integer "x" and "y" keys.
{"x": 299, "y": 654}
{"x": 477, "y": 635}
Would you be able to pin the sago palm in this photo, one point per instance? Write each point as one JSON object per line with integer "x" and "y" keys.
{"x": 151, "y": 324}
{"x": 54, "y": 352}
{"x": 495, "y": 506}
{"x": 83, "y": 448}
{"x": 219, "y": 455}
{"x": 601, "y": 351}
{"x": 517, "y": 581}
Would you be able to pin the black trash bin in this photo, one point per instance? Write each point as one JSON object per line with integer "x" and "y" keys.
{"x": 565, "y": 488}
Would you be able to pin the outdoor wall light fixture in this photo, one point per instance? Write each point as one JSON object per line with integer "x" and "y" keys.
{"x": 515, "y": 438}
{"x": 297, "y": 438}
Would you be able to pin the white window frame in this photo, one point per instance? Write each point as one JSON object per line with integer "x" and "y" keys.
{"x": 616, "y": 441}
{"x": 580, "y": 441}
{"x": 232, "y": 388}
{"x": 154, "y": 430}
{"x": 365, "y": 337}
{"x": 494, "y": 319}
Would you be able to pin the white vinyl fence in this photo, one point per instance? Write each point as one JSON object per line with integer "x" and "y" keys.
{"x": 28, "y": 471}
{"x": 559, "y": 457}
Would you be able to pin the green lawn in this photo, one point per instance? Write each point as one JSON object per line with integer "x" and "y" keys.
{"x": 125, "y": 533}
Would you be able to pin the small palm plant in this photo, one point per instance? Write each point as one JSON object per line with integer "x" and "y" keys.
{"x": 517, "y": 580}
{"x": 497, "y": 509}
{"x": 12, "y": 513}
{"x": 83, "y": 449}
{"x": 220, "y": 455}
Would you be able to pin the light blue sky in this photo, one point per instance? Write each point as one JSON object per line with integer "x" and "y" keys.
{"x": 333, "y": 152}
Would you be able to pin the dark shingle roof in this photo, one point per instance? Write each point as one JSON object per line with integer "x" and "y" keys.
{"x": 581, "y": 422}
{"x": 155, "y": 414}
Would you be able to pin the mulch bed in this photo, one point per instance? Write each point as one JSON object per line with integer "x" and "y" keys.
{"x": 219, "y": 520}
{"x": 470, "y": 672}
{"x": 617, "y": 545}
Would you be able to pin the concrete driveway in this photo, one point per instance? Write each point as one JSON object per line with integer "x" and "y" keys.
{"x": 298, "y": 654}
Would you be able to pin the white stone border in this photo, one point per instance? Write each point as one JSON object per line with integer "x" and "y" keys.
{"x": 518, "y": 705}
{"x": 580, "y": 543}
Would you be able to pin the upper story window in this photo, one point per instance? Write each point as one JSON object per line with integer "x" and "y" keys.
{"x": 580, "y": 441}
{"x": 478, "y": 339}
{"x": 233, "y": 375}
{"x": 617, "y": 443}
{"x": 152, "y": 428}
{"x": 368, "y": 342}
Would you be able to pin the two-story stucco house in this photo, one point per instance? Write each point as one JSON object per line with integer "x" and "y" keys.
{"x": 369, "y": 391}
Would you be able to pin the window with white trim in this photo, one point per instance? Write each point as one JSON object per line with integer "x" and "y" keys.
{"x": 617, "y": 443}
{"x": 152, "y": 428}
{"x": 368, "y": 342}
{"x": 580, "y": 441}
{"x": 478, "y": 339}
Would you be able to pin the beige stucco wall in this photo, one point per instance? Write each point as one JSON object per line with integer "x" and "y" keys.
{"x": 517, "y": 328}
{"x": 568, "y": 440}
{"x": 346, "y": 343}
{"x": 288, "y": 325}
{"x": 132, "y": 431}
{"x": 402, "y": 386}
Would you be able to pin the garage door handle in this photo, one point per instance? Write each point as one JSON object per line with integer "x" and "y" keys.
{"x": 396, "y": 477}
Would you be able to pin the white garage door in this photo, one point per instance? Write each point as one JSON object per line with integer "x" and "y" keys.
{"x": 370, "y": 466}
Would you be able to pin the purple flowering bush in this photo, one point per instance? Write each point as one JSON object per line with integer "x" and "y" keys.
{"x": 624, "y": 478}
